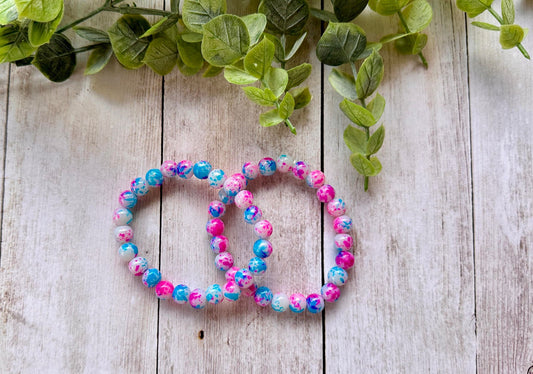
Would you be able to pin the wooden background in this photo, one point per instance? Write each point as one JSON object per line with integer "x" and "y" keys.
{"x": 444, "y": 258}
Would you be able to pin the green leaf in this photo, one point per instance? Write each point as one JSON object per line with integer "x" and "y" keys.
{"x": 8, "y": 11}
{"x": 376, "y": 141}
{"x": 387, "y": 7}
{"x": 192, "y": 37}
{"x": 225, "y": 41}
{"x": 279, "y": 53}
{"x": 39, "y": 10}
{"x": 238, "y": 76}
{"x": 511, "y": 36}
{"x": 270, "y": 118}
{"x": 297, "y": 44}
{"x": 355, "y": 139}
{"x": 259, "y": 58}
{"x": 125, "y": 37}
{"x": 262, "y": 97}
{"x": 486, "y": 26}
{"x": 362, "y": 165}
{"x": 347, "y": 10}
{"x": 196, "y": 13}
{"x": 357, "y": 114}
{"x": 276, "y": 79}
{"x": 417, "y": 15}
{"x": 369, "y": 76}
{"x": 186, "y": 70}
{"x": 377, "y": 106}
{"x": 255, "y": 23}
{"x": 212, "y": 71}
{"x": 323, "y": 15}
{"x": 285, "y": 16}
{"x": 392, "y": 37}
{"x": 298, "y": 74}
{"x": 56, "y": 60}
{"x": 161, "y": 25}
{"x": 508, "y": 12}
{"x": 174, "y": 6}
{"x": 40, "y": 33}
{"x": 474, "y": 7}
{"x": 370, "y": 47}
{"x": 190, "y": 53}
{"x": 98, "y": 59}
{"x": 412, "y": 44}
{"x": 286, "y": 107}
{"x": 343, "y": 83}
{"x": 302, "y": 97}
{"x": 14, "y": 43}
{"x": 92, "y": 34}
{"x": 377, "y": 165}
{"x": 161, "y": 55}
{"x": 340, "y": 43}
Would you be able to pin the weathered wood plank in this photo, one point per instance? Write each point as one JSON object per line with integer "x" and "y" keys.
{"x": 4, "y": 92}
{"x": 409, "y": 305}
{"x": 501, "y": 83}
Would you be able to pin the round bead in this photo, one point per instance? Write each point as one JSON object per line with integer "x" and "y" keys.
{"x": 336, "y": 207}
{"x": 219, "y": 244}
{"x": 244, "y": 199}
{"x": 122, "y": 216}
{"x": 343, "y": 242}
{"x": 252, "y": 214}
{"x": 232, "y": 186}
{"x": 250, "y": 171}
{"x": 267, "y": 166}
{"x": 214, "y": 294}
{"x": 284, "y": 163}
{"x": 154, "y": 178}
{"x": 297, "y": 303}
{"x": 230, "y": 274}
{"x": 337, "y": 276}
{"x": 127, "y": 199}
{"x": 250, "y": 291}
{"x": 163, "y": 290}
{"x": 280, "y": 302}
{"x": 315, "y": 303}
{"x": 128, "y": 251}
{"x": 185, "y": 169}
{"x": 263, "y": 296}
{"x": 242, "y": 179}
{"x": 231, "y": 291}
{"x": 123, "y": 234}
{"x": 169, "y": 168}
{"x": 300, "y": 170}
{"x": 151, "y": 277}
{"x": 262, "y": 248}
{"x": 139, "y": 186}
{"x": 315, "y": 179}
{"x": 330, "y": 292}
{"x": 263, "y": 229}
{"x": 325, "y": 193}
{"x": 138, "y": 266}
{"x": 342, "y": 224}
{"x": 181, "y": 294}
{"x": 344, "y": 259}
{"x": 257, "y": 266}
{"x": 223, "y": 196}
{"x": 244, "y": 278}
{"x": 201, "y": 169}
{"x": 216, "y": 209}
{"x": 216, "y": 178}
{"x": 224, "y": 261}
{"x": 197, "y": 299}
{"x": 214, "y": 227}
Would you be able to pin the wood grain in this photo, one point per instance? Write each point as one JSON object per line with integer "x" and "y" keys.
{"x": 4, "y": 91}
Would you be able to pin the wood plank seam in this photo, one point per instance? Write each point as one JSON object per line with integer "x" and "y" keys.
{"x": 4, "y": 162}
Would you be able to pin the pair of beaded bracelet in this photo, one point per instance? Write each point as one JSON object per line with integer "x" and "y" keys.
{"x": 239, "y": 280}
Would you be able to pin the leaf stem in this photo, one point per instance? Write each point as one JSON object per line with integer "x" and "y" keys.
{"x": 500, "y": 20}
{"x": 283, "y": 40}
{"x": 82, "y": 19}
{"x": 88, "y": 47}
{"x": 406, "y": 27}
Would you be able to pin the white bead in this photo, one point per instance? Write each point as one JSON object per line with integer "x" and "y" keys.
{"x": 280, "y": 302}
{"x": 284, "y": 163}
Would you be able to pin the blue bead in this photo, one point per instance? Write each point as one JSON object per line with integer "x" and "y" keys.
{"x": 128, "y": 251}
{"x": 267, "y": 166}
{"x": 154, "y": 177}
{"x": 257, "y": 265}
{"x": 252, "y": 214}
{"x": 181, "y": 294}
{"x": 263, "y": 296}
{"x": 139, "y": 187}
{"x": 262, "y": 248}
{"x": 201, "y": 169}
{"x": 151, "y": 277}
{"x": 216, "y": 178}
{"x": 223, "y": 196}
{"x": 214, "y": 294}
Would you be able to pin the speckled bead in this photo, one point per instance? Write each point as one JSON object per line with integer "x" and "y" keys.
{"x": 297, "y": 303}
{"x": 214, "y": 294}
{"x": 197, "y": 299}
{"x": 201, "y": 169}
{"x": 231, "y": 291}
{"x": 280, "y": 302}
{"x": 252, "y": 214}
{"x": 139, "y": 186}
{"x": 267, "y": 166}
{"x": 127, "y": 252}
{"x": 250, "y": 291}
{"x": 185, "y": 169}
{"x": 344, "y": 259}
{"x": 284, "y": 163}
{"x": 330, "y": 292}
{"x": 216, "y": 178}
{"x": 223, "y": 196}
{"x": 263, "y": 229}
{"x": 122, "y": 216}
{"x": 242, "y": 180}
{"x": 262, "y": 248}
{"x": 315, "y": 179}
{"x": 300, "y": 170}
{"x": 123, "y": 234}
{"x": 219, "y": 244}
{"x": 154, "y": 178}
{"x": 337, "y": 276}
{"x": 216, "y": 209}
{"x": 257, "y": 266}
{"x": 244, "y": 278}
{"x": 138, "y": 266}
{"x": 325, "y": 194}
{"x": 342, "y": 224}
{"x": 263, "y": 296}
{"x": 151, "y": 277}
{"x": 181, "y": 294}
{"x": 232, "y": 186}
{"x": 127, "y": 199}
{"x": 214, "y": 227}
{"x": 336, "y": 207}
{"x": 224, "y": 261}
{"x": 343, "y": 242}
{"x": 250, "y": 171}
{"x": 169, "y": 168}
{"x": 244, "y": 199}
{"x": 230, "y": 274}
{"x": 315, "y": 303}
{"x": 163, "y": 290}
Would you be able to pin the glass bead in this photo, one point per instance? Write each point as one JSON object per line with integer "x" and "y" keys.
{"x": 230, "y": 274}
{"x": 315, "y": 303}
{"x": 250, "y": 171}
{"x": 185, "y": 169}
{"x": 267, "y": 166}
{"x": 197, "y": 299}
{"x": 263, "y": 229}
{"x": 257, "y": 266}
{"x": 345, "y": 260}
{"x": 214, "y": 294}
{"x": 122, "y": 216}
{"x": 127, "y": 199}
{"x": 216, "y": 209}
{"x": 244, "y": 278}
{"x": 215, "y": 227}
{"x": 337, "y": 276}
{"x": 232, "y": 186}
{"x": 280, "y": 302}
{"x": 224, "y": 261}
{"x": 123, "y": 234}
{"x": 151, "y": 277}
{"x": 263, "y": 296}
{"x": 154, "y": 178}
{"x": 223, "y": 196}
{"x": 325, "y": 194}
{"x": 231, "y": 291}
{"x": 336, "y": 207}
{"x": 330, "y": 292}
{"x": 138, "y": 266}
{"x": 250, "y": 291}
{"x": 342, "y": 224}
{"x": 242, "y": 179}
{"x": 127, "y": 252}
{"x": 216, "y": 178}
{"x": 252, "y": 214}
{"x": 284, "y": 163}
{"x": 163, "y": 290}
{"x": 169, "y": 168}
{"x": 300, "y": 170}
{"x": 181, "y": 294}
{"x": 343, "y": 242}
{"x": 219, "y": 244}
{"x": 262, "y": 248}
{"x": 139, "y": 186}
{"x": 201, "y": 169}
{"x": 315, "y": 179}
{"x": 297, "y": 303}
{"x": 244, "y": 199}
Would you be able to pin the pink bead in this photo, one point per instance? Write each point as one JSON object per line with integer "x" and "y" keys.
{"x": 244, "y": 199}
{"x": 343, "y": 241}
{"x": 250, "y": 291}
{"x": 330, "y": 292}
{"x": 242, "y": 179}
{"x": 315, "y": 179}
{"x": 300, "y": 170}
{"x": 232, "y": 186}
{"x": 138, "y": 266}
{"x": 123, "y": 234}
{"x": 230, "y": 274}
{"x": 344, "y": 259}
{"x": 336, "y": 207}
{"x": 250, "y": 171}
{"x": 325, "y": 193}
{"x": 263, "y": 229}
{"x": 163, "y": 290}
{"x": 342, "y": 224}
{"x": 224, "y": 261}
{"x": 219, "y": 244}
{"x": 215, "y": 227}
{"x": 169, "y": 168}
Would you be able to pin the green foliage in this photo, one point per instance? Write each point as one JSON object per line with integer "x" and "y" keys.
{"x": 14, "y": 43}
{"x": 343, "y": 83}
{"x": 40, "y": 33}
{"x": 226, "y": 40}
{"x": 387, "y": 7}
{"x": 98, "y": 59}
{"x": 125, "y": 37}
{"x": 92, "y": 34}
{"x": 298, "y": 74}
{"x": 347, "y": 10}
{"x": 259, "y": 58}
{"x": 285, "y": 16}
{"x": 39, "y": 10}
{"x": 370, "y": 76}
{"x": 511, "y": 36}
{"x": 8, "y": 11}
{"x": 255, "y": 23}
{"x": 474, "y": 7}
{"x": 340, "y": 43}
{"x": 56, "y": 60}
{"x": 197, "y": 13}
{"x": 162, "y": 55}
